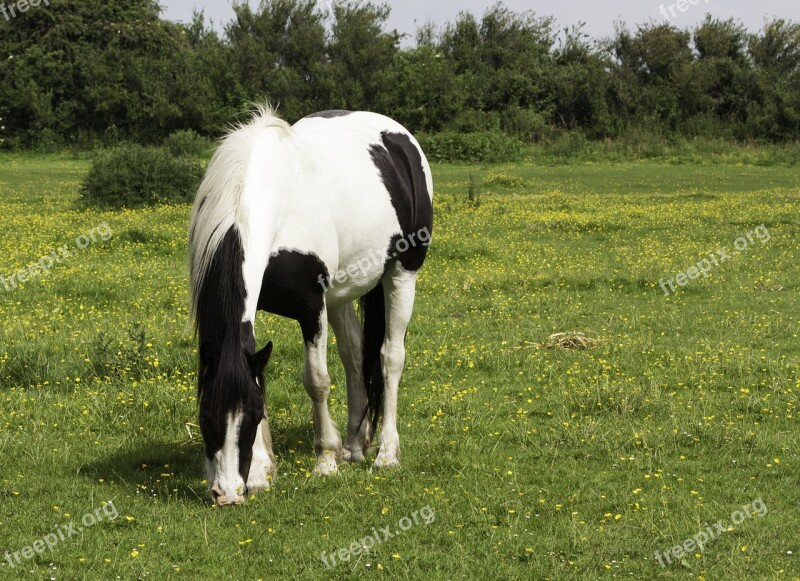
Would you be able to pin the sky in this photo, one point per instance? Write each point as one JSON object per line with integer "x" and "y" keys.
{"x": 598, "y": 15}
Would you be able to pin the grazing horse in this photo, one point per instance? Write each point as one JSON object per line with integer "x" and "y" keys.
{"x": 300, "y": 221}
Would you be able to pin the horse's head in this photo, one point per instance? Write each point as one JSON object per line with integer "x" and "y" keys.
{"x": 231, "y": 387}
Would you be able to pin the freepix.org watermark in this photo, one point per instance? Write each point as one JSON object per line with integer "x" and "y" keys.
{"x": 62, "y": 533}
{"x": 699, "y": 541}
{"x": 706, "y": 265}
{"x": 670, "y": 11}
{"x": 376, "y": 258}
{"x": 378, "y": 536}
{"x": 48, "y": 261}
{"x": 10, "y": 11}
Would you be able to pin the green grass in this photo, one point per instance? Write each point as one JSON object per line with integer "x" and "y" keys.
{"x": 538, "y": 463}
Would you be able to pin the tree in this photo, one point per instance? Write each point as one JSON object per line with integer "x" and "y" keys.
{"x": 427, "y": 94}
{"x": 362, "y": 57}
{"x": 581, "y": 85}
{"x": 774, "y": 109}
{"x": 83, "y": 69}
{"x": 650, "y": 75}
{"x": 721, "y": 75}
{"x": 279, "y": 52}
{"x": 505, "y": 68}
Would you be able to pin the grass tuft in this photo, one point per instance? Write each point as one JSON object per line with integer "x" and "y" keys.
{"x": 572, "y": 340}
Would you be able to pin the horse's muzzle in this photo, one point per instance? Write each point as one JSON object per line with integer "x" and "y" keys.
{"x": 222, "y": 500}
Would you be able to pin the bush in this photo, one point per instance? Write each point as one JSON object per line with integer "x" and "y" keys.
{"x": 484, "y": 146}
{"x": 526, "y": 125}
{"x": 502, "y": 179}
{"x": 189, "y": 144}
{"x": 474, "y": 121}
{"x": 570, "y": 144}
{"x": 132, "y": 176}
{"x": 114, "y": 357}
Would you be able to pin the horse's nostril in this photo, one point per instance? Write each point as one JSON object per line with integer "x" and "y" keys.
{"x": 221, "y": 500}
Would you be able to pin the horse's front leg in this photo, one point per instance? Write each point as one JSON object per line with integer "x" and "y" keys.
{"x": 262, "y": 465}
{"x": 327, "y": 440}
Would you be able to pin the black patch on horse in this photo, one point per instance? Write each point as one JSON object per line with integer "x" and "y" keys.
{"x": 248, "y": 336}
{"x": 293, "y": 287}
{"x": 228, "y": 362}
{"x": 399, "y": 162}
{"x": 332, "y": 114}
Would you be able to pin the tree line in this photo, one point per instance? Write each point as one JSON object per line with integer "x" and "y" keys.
{"x": 89, "y": 72}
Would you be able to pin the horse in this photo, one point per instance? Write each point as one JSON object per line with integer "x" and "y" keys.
{"x": 301, "y": 221}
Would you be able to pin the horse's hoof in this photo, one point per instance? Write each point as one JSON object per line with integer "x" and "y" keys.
{"x": 352, "y": 456}
{"x": 389, "y": 459}
{"x": 262, "y": 472}
{"x": 258, "y": 484}
{"x": 326, "y": 464}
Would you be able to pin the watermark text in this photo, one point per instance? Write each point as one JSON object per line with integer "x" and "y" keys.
{"x": 711, "y": 532}
{"x": 722, "y": 255}
{"x": 375, "y": 259}
{"x": 10, "y": 11}
{"x": 380, "y": 535}
{"x": 62, "y": 533}
{"x": 670, "y": 11}
{"x": 57, "y": 256}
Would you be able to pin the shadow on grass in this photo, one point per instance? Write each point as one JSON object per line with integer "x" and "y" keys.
{"x": 155, "y": 469}
{"x": 172, "y": 472}
{"x": 291, "y": 436}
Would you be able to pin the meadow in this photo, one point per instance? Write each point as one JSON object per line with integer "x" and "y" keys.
{"x": 680, "y": 414}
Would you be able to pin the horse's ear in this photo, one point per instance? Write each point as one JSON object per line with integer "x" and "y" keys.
{"x": 259, "y": 360}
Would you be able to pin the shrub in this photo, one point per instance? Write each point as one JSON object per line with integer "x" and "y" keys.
{"x": 474, "y": 121}
{"x": 484, "y": 146}
{"x": 501, "y": 179}
{"x": 571, "y": 144}
{"x": 114, "y": 357}
{"x": 132, "y": 176}
{"x": 189, "y": 143}
{"x": 526, "y": 125}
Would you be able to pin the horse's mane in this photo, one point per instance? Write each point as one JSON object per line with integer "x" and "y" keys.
{"x": 216, "y": 206}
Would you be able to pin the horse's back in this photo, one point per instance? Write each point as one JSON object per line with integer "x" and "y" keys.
{"x": 358, "y": 143}
{"x": 357, "y": 129}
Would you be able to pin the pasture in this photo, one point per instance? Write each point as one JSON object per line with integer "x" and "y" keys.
{"x": 537, "y": 463}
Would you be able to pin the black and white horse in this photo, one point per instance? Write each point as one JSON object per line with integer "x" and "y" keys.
{"x": 301, "y": 221}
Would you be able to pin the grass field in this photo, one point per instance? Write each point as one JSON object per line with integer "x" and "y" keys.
{"x": 537, "y": 463}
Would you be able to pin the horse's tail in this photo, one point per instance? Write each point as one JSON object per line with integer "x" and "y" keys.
{"x": 373, "y": 316}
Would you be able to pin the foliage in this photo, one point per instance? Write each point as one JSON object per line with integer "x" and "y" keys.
{"x": 188, "y": 143}
{"x": 115, "y": 357}
{"x": 362, "y": 57}
{"x": 132, "y": 176}
{"x": 85, "y": 73}
{"x": 278, "y": 52}
{"x": 485, "y": 146}
{"x": 89, "y": 71}
{"x": 503, "y": 179}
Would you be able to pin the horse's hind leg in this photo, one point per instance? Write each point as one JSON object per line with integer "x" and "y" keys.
{"x": 349, "y": 337}
{"x": 399, "y": 287}
{"x": 327, "y": 441}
